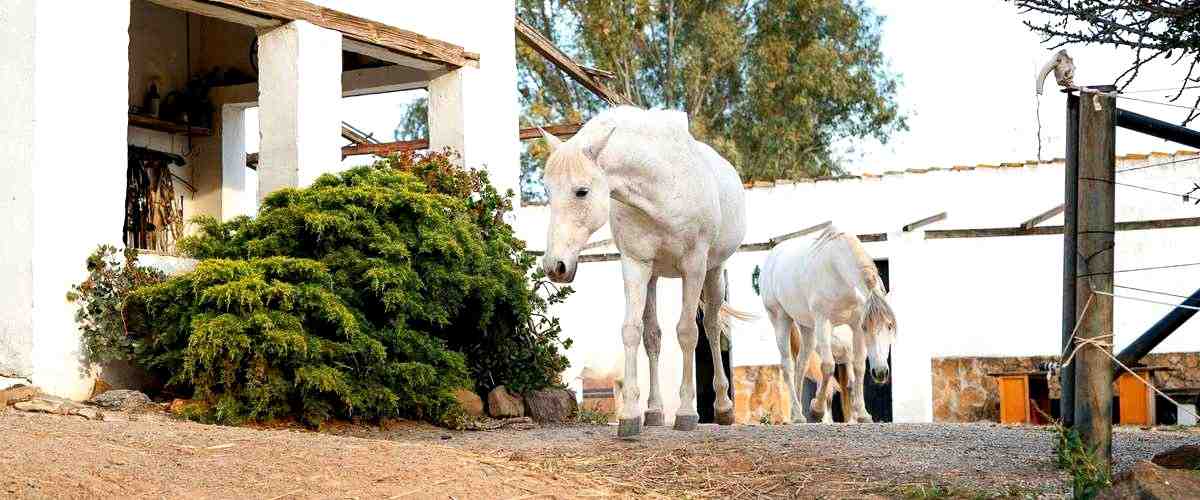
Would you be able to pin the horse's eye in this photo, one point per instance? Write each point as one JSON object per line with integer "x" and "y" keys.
{"x": 581, "y": 192}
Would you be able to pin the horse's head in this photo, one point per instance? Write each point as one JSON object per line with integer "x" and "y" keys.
{"x": 579, "y": 198}
{"x": 879, "y": 346}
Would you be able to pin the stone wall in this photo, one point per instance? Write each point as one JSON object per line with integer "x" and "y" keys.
{"x": 963, "y": 391}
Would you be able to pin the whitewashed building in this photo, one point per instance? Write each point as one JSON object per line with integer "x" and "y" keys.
{"x": 71, "y": 71}
{"x": 954, "y": 296}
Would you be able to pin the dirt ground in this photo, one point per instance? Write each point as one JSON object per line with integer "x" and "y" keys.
{"x": 152, "y": 455}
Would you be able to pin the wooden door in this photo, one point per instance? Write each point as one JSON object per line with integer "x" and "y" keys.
{"x": 1014, "y": 399}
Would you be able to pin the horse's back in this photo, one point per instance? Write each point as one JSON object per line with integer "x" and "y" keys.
{"x": 799, "y": 275}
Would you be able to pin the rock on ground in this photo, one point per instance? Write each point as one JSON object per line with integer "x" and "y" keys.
{"x": 1148, "y": 481}
{"x": 551, "y": 405}
{"x": 469, "y": 401}
{"x": 59, "y": 406}
{"x": 121, "y": 399}
{"x": 504, "y": 404}
{"x": 1182, "y": 457}
{"x": 17, "y": 394}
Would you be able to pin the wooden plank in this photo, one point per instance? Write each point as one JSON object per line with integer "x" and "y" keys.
{"x": 745, "y": 247}
{"x": 540, "y": 44}
{"x": 402, "y": 42}
{"x": 1137, "y": 225}
{"x": 562, "y": 131}
{"x": 796, "y": 234}
{"x": 1043, "y": 217}
{"x": 1094, "y": 236}
{"x": 389, "y": 55}
{"x": 597, "y": 244}
{"x": 925, "y": 222}
{"x": 1066, "y": 401}
{"x": 151, "y": 123}
{"x": 386, "y": 148}
{"x": 207, "y": 9}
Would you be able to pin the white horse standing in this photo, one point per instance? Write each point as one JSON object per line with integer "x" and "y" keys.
{"x": 677, "y": 210}
{"x": 816, "y": 285}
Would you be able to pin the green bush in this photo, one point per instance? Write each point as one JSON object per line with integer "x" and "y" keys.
{"x": 374, "y": 292}
{"x": 103, "y": 323}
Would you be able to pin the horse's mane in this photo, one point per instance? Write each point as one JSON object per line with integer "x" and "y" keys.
{"x": 862, "y": 259}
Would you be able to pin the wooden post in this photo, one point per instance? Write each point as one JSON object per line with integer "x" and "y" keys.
{"x": 1066, "y": 402}
{"x": 1095, "y": 226}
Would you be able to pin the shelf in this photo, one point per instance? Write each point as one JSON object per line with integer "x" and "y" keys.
{"x": 151, "y": 123}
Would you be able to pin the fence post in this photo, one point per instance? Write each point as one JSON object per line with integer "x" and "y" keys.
{"x": 1094, "y": 236}
{"x": 1066, "y": 401}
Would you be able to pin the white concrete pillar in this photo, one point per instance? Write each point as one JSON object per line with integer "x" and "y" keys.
{"x": 912, "y": 383}
{"x": 471, "y": 111}
{"x": 55, "y": 205}
{"x": 300, "y": 92}
{"x": 235, "y": 200}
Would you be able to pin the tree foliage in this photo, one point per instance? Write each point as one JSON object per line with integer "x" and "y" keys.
{"x": 374, "y": 292}
{"x": 771, "y": 84}
{"x": 1167, "y": 31}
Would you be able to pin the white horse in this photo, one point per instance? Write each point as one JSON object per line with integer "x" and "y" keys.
{"x": 677, "y": 210}
{"x": 816, "y": 284}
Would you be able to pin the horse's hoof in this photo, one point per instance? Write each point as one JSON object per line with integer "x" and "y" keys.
{"x": 865, "y": 419}
{"x": 798, "y": 418}
{"x": 686, "y": 422}
{"x": 725, "y": 417}
{"x": 629, "y": 428}
{"x": 654, "y": 418}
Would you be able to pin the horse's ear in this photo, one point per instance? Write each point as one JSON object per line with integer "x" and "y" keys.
{"x": 594, "y": 150}
{"x": 551, "y": 139}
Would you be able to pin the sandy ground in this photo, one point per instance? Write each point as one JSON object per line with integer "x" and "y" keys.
{"x": 151, "y": 455}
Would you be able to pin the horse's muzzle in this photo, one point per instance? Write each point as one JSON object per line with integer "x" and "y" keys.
{"x": 558, "y": 270}
{"x": 880, "y": 375}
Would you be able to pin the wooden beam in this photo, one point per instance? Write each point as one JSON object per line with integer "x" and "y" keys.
{"x": 402, "y": 42}
{"x": 1043, "y": 217}
{"x": 1094, "y": 237}
{"x": 386, "y": 148}
{"x": 562, "y": 131}
{"x": 599, "y": 73}
{"x": 796, "y": 234}
{"x": 745, "y": 247}
{"x": 925, "y": 222}
{"x": 389, "y": 55}
{"x": 207, "y": 9}
{"x": 540, "y": 44}
{"x": 1137, "y": 225}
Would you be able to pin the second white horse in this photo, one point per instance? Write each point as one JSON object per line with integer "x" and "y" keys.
{"x": 816, "y": 284}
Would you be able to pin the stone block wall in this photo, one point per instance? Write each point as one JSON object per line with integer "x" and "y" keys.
{"x": 963, "y": 391}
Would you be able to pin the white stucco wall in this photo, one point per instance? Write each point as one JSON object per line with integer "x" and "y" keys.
{"x": 953, "y": 297}
{"x": 63, "y": 190}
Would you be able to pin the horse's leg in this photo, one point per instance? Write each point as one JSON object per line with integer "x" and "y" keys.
{"x": 846, "y": 381}
{"x": 858, "y": 363}
{"x": 830, "y": 388}
{"x": 722, "y": 405}
{"x": 783, "y": 338}
{"x": 652, "y": 340}
{"x": 686, "y": 417}
{"x": 808, "y": 343}
{"x": 636, "y": 275}
{"x": 822, "y": 330}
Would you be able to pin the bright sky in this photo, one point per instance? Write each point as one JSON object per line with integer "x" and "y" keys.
{"x": 967, "y": 70}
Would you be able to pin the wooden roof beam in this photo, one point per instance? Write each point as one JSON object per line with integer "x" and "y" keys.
{"x": 387, "y": 148}
{"x": 1043, "y": 217}
{"x": 925, "y": 222}
{"x": 362, "y": 35}
{"x": 562, "y": 61}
